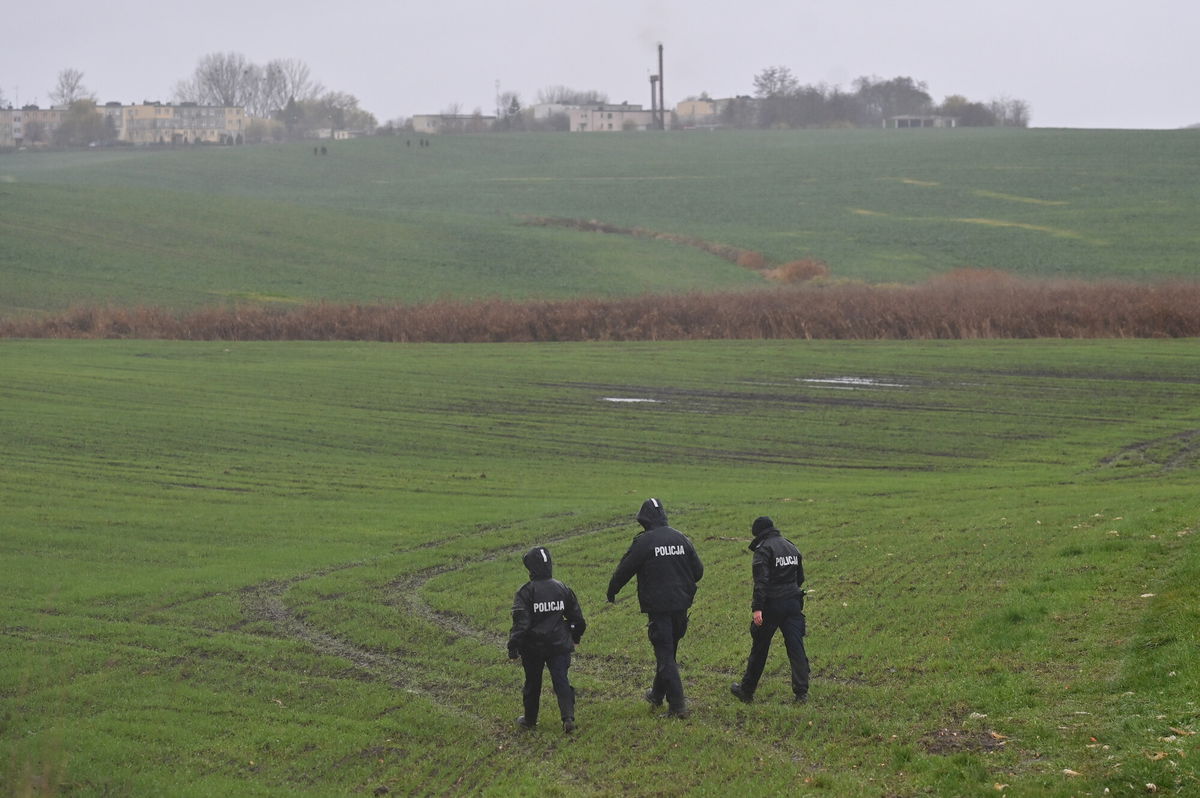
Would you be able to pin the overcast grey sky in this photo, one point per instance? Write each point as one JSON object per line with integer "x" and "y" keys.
{"x": 1078, "y": 63}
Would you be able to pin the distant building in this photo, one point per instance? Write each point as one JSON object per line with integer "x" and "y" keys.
{"x": 186, "y": 123}
{"x": 452, "y": 123}
{"x": 914, "y": 120}
{"x": 696, "y": 113}
{"x": 147, "y": 123}
{"x": 596, "y": 118}
{"x": 29, "y": 125}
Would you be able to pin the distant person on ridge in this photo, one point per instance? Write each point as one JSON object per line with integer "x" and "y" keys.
{"x": 778, "y": 603}
{"x": 547, "y": 623}
{"x": 667, "y": 569}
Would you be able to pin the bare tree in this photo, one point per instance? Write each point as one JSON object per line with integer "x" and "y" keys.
{"x": 564, "y": 95}
{"x": 69, "y": 88}
{"x": 296, "y": 81}
{"x": 1010, "y": 112}
{"x": 186, "y": 91}
{"x": 229, "y": 79}
{"x": 775, "y": 81}
{"x": 226, "y": 79}
{"x": 1020, "y": 113}
{"x": 281, "y": 80}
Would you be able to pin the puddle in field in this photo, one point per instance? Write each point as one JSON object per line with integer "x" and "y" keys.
{"x": 628, "y": 399}
{"x": 852, "y": 383}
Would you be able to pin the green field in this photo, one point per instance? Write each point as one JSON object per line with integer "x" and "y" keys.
{"x": 285, "y": 569}
{"x": 379, "y": 220}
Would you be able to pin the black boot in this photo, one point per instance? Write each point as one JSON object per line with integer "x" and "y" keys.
{"x": 566, "y": 710}
{"x": 740, "y": 693}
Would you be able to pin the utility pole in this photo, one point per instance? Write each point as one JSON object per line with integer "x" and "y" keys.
{"x": 654, "y": 100}
{"x": 662, "y": 103}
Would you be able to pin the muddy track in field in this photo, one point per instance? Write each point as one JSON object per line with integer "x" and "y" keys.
{"x": 265, "y": 602}
{"x": 405, "y": 591}
{"x": 1170, "y": 453}
{"x": 411, "y": 671}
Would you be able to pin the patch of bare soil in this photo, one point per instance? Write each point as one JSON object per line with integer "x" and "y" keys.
{"x": 954, "y": 741}
{"x": 1170, "y": 453}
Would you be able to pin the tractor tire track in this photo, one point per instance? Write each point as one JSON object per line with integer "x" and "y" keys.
{"x": 406, "y": 671}
{"x": 410, "y": 672}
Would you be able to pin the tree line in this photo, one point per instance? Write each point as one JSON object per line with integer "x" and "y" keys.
{"x": 780, "y": 100}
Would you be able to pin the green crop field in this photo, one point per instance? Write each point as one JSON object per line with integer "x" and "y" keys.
{"x": 285, "y": 569}
{"x": 377, "y": 219}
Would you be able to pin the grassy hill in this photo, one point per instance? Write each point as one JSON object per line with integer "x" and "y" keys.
{"x": 285, "y": 569}
{"x": 379, "y": 220}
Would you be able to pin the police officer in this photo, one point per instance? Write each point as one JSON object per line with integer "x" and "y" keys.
{"x": 778, "y": 603}
{"x": 547, "y": 623}
{"x": 667, "y": 569}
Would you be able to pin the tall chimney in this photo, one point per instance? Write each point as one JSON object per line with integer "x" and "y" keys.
{"x": 654, "y": 99}
{"x": 662, "y": 104}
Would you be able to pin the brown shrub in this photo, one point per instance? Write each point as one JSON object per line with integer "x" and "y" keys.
{"x": 754, "y": 261}
{"x": 798, "y": 271}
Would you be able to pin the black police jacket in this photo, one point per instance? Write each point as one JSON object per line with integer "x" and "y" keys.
{"x": 546, "y": 618}
{"x": 665, "y": 562}
{"x": 778, "y": 569}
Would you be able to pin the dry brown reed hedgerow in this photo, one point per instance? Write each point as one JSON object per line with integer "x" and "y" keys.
{"x": 962, "y": 304}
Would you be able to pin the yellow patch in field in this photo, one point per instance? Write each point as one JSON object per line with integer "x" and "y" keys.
{"x": 255, "y": 296}
{"x": 911, "y": 182}
{"x": 1057, "y": 232}
{"x": 1015, "y": 198}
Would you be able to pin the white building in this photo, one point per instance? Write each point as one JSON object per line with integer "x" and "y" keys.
{"x": 596, "y": 118}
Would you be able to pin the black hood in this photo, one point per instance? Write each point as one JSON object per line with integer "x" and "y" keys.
{"x": 538, "y": 563}
{"x": 762, "y": 528}
{"x": 652, "y": 515}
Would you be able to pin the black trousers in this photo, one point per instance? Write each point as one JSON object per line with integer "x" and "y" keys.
{"x": 786, "y": 615}
{"x": 665, "y": 630}
{"x": 534, "y": 662}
